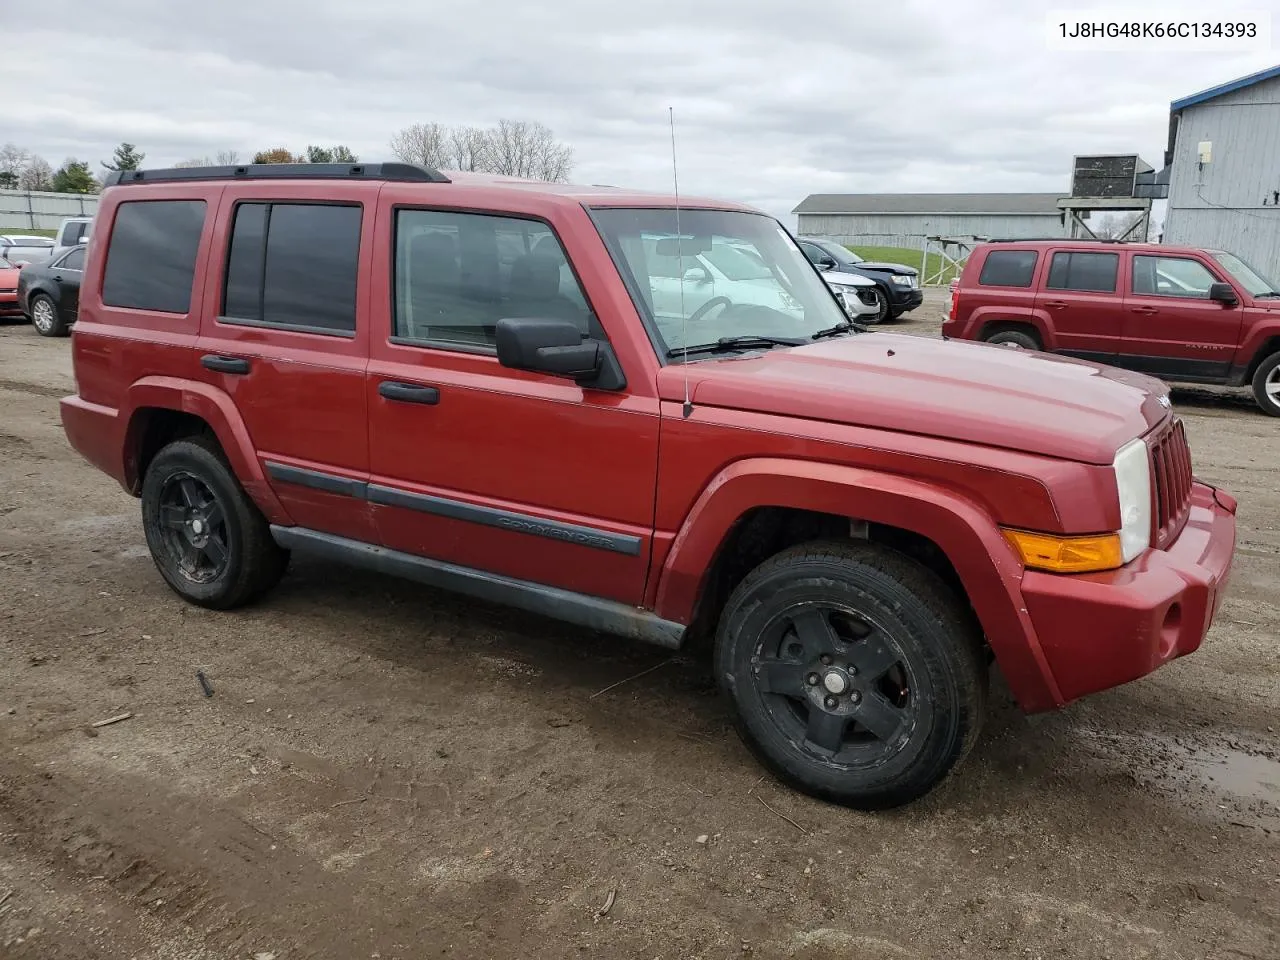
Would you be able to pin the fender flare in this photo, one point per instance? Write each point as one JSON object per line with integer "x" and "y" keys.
{"x": 986, "y": 564}
{"x": 990, "y": 316}
{"x": 215, "y": 408}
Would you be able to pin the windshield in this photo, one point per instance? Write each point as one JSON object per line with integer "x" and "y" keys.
{"x": 759, "y": 283}
{"x": 1246, "y": 276}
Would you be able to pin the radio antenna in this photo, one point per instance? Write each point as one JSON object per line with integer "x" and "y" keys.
{"x": 684, "y": 316}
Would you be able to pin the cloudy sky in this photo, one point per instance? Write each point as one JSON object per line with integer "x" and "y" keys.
{"x": 773, "y": 100}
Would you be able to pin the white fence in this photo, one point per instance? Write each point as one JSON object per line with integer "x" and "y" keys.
{"x": 27, "y": 210}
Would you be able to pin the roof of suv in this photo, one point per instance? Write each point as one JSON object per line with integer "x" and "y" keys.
{"x": 590, "y": 195}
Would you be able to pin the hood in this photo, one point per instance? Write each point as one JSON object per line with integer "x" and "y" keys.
{"x": 980, "y": 393}
{"x": 901, "y": 268}
{"x": 848, "y": 279}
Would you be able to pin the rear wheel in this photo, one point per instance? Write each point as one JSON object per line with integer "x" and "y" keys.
{"x": 1266, "y": 385}
{"x": 208, "y": 540}
{"x": 46, "y": 317}
{"x": 1022, "y": 337}
{"x": 855, "y": 674}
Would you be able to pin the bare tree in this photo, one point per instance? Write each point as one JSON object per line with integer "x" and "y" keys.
{"x": 521, "y": 148}
{"x": 468, "y": 148}
{"x": 13, "y": 160}
{"x": 423, "y": 143}
{"x": 37, "y": 175}
{"x": 1113, "y": 226}
{"x": 227, "y": 158}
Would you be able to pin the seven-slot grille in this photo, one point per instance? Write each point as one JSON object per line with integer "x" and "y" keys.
{"x": 1171, "y": 471}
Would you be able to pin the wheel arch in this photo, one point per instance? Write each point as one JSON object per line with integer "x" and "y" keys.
{"x": 753, "y": 500}
{"x": 158, "y": 410}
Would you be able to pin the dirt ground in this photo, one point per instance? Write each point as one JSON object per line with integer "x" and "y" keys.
{"x": 384, "y": 771}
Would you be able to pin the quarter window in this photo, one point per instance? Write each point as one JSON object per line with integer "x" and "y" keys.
{"x": 1094, "y": 272}
{"x": 1171, "y": 277}
{"x": 1008, "y": 268}
{"x": 294, "y": 266}
{"x": 458, "y": 274}
{"x": 151, "y": 260}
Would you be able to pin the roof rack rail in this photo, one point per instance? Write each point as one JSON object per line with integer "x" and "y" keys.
{"x": 1055, "y": 239}
{"x": 404, "y": 172}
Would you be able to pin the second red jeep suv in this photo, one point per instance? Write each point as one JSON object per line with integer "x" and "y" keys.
{"x": 1178, "y": 313}
{"x": 519, "y": 392}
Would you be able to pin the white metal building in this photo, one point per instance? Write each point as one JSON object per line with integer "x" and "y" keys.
{"x": 1224, "y": 176}
{"x": 855, "y": 216}
{"x": 22, "y": 210}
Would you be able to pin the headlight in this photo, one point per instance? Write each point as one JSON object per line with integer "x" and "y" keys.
{"x": 1133, "y": 482}
{"x": 902, "y": 281}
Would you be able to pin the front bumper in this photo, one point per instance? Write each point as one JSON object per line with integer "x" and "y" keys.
{"x": 1098, "y": 631}
{"x": 903, "y": 299}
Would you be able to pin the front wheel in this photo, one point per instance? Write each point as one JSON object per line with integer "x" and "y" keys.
{"x": 208, "y": 540}
{"x": 855, "y": 674}
{"x": 1266, "y": 385}
{"x": 882, "y": 308}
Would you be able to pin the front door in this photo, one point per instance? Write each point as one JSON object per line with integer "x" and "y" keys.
{"x": 1172, "y": 328}
{"x": 1082, "y": 301}
{"x": 504, "y": 471}
{"x": 67, "y": 275}
{"x": 280, "y": 335}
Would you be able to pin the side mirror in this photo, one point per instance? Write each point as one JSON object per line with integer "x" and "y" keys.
{"x": 697, "y": 274}
{"x": 83, "y": 239}
{"x": 826, "y": 263}
{"x": 558, "y": 348}
{"x": 1224, "y": 293}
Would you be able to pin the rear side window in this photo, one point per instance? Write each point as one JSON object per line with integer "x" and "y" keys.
{"x": 151, "y": 261}
{"x": 1008, "y": 268}
{"x": 294, "y": 266}
{"x": 1095, "y": 272}
{"x": 74, "y": 260}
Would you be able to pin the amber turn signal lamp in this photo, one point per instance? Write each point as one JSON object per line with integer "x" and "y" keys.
{"x": 1044, "y": 551}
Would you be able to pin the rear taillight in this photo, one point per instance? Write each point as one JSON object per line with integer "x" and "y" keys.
{"x": 953, "y": 287}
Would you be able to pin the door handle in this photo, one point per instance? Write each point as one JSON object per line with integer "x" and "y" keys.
{"x": 1056, "y": 304}
{"x": 57, "y": 278}
{"x": 1145, "y": 309}
{"x": 409, "y": 392}
{"x": 224, "y": 364}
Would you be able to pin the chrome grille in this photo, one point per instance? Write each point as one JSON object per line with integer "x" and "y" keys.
{"x": 1172, "y": 475}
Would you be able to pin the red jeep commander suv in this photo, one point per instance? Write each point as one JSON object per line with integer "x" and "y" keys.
{"x": 1178, "y": 313}
{"x": 502, "y": 388}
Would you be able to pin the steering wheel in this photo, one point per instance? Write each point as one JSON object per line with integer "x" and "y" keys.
{"x": 703, "y": 310}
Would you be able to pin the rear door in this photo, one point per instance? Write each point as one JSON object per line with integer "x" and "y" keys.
{"x": 1081, "y": 298}
{"x": 288, "y": 279}
{"x": 1172, "y": 328}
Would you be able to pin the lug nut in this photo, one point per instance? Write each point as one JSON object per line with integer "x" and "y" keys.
{"x": 851, "y": 670}
{"x": 831, "y": 703}
{"x": 826, "y": 659}
{"x": 855, "y": 697}
{"x": 812, "y": 679}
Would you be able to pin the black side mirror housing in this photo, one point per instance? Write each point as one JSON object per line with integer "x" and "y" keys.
{"x": 826, "y": 263}
{"x": 557, "y": 348}
{"x": 1223, "y": 293}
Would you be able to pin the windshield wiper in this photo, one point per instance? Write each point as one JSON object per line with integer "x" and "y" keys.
{"x": 735, "y": 343}
{"x": 847, "y": 327}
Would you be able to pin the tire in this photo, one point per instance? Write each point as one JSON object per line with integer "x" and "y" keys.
{"x": 46, "y": 317}
{"x": 207, "y": 538}
{"x": 882, "y": 308}
{"x": 1266, "y": 385}
{"x": 879, "y": 608}
{"x": 1022, "y": 338}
